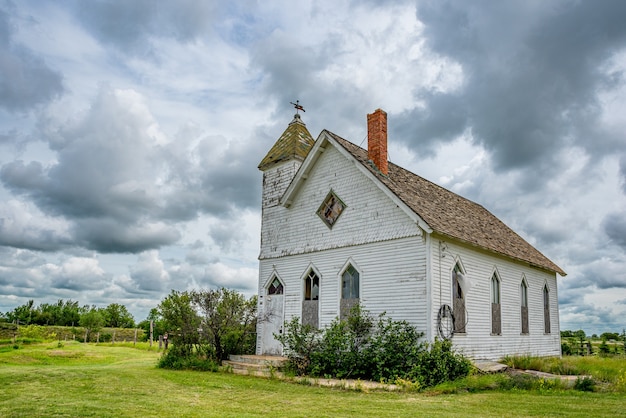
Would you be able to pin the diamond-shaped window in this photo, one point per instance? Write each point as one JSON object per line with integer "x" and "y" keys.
{"x": 331, "y": 209}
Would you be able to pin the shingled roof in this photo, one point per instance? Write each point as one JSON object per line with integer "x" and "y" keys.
{"x": 451, "y": 215}
{"x": 295, "y": 142}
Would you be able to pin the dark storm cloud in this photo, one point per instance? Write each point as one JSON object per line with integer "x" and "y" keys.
{"x": 25, "y": 79}
{"x": 121, "y": 189}
{"x": 292, "y": 71}
{"x": 104, "y": 181}
{"x": 622, "y": 170}
{"x": 32, "y": 238}
{"x": 532, "y": 74}
{"x": 615, "y": 227}
{"x": 129, "y": 26}
{"x": 113, "y": 236}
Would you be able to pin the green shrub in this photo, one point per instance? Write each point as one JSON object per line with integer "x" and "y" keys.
{"x": 301, "y": 342}
{"x": 177, "y": 359}
{"x": 566, "y": 349}
{"x": 394, "y": 349}
{"x": 586, "y": 384}
{"x": 362, "y": 348}
{"x": 440, "y": 364}
{"x": 37, "y": 332}
{"x": 342, "y": 347}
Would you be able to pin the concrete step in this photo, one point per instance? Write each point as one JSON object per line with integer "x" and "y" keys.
{"x": 255, "y": 365}
{"x": 273, "y": 361}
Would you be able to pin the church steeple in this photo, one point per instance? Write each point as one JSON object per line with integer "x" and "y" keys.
{"x": 293, "y": 144}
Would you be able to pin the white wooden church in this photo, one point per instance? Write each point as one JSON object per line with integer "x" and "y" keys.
{"x": 342, "y": 225}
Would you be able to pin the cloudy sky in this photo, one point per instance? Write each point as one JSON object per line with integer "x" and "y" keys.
{"x": 130, "y": 132}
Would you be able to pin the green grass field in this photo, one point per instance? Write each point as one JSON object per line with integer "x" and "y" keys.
{"x": 81, "y": 380}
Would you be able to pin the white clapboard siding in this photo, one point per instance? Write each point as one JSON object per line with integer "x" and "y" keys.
{"x": 478, "y": 342}
{"x": 370, "y": 216}
{"x": 392, "y": 279}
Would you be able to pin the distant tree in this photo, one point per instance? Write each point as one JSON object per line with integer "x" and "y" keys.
{"x": 228, "y": 319}
{"x": 604, "y": 347}
{"x": 158, "y": 324}
{"x": 70, "y": 313}
{"x": 117, "y": 316}
{"x": 92, "y": 320}
{"x": 23, "y": 315}
{"x": 181, "y": 322}
{"x": 609, "y": 336}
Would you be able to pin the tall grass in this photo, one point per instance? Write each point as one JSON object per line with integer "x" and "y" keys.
{"x": 118, "y": 381}
{"x": 603, "y": 369}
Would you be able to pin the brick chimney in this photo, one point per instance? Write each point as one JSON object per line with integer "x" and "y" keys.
{"x": 377, "y": 139}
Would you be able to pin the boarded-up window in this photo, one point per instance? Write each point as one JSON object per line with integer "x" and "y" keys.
{"x": 546, "y": 309}
{"x": 524, "y": 306}
{"x": 496, "y": 323}
{"x": 349, "y": 291}
{"x": 310, "y": 304}
{"x": 458, "y": 301}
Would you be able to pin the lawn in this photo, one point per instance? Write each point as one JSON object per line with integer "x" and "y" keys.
{"x": 103, "y": 380}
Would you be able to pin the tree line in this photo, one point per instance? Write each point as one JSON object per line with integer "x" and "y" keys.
{"x": 210, "y": 324}
{"x": 69, "y": 313}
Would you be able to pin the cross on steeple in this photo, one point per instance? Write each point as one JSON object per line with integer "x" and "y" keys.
{"x": 297, "y": 106}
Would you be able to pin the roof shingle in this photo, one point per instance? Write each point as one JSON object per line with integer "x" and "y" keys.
{"x": 295, "y": 142}
{"x": 450, "y": 214}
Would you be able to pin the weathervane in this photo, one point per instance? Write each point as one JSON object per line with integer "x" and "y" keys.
{"x": 297, "y": 106}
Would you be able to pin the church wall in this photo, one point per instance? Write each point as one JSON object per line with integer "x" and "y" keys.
{"x": 392, "y": 279}
{"x": 370, "y": 216}
{"x": 478, "y": 342}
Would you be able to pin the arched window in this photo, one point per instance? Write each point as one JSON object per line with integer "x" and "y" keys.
{"x": 310, "y": 303}
{"x": 458, "y": 299}
{"x": 496, "y": 323}
{"x": 275, "y": 287}
{"x": 311, "y": 286}
{"x": 546, "y": 309}
{"x": 523, "y": 291}
{"x": 350, "y": 283}
{"x": 350, "y": 288}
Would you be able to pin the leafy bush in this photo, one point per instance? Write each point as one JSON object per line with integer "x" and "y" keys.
{"x": 440, "y": 364}
{"x": 37, "y": 332}
{"x": 177, "y": 359}
{"x": 566, "y": 349}
{"x": 586, "y": 384}
{"x": 342, "y": 347}
{"x": 302, "y": 341}
{"x": 394, "y": 348}
{"x": 362, "y": 348}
